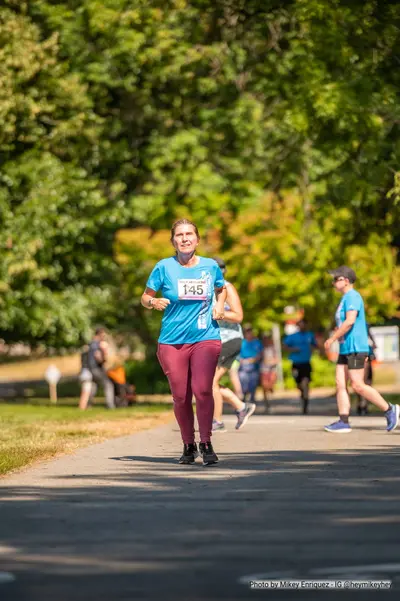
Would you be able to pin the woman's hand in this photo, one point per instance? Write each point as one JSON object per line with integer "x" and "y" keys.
{"x": 218, "y": 311}
{"x": 328, "y": 343}
{"x": 159, "y": 304}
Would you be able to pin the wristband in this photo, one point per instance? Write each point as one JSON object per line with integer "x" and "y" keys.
{"x": 150, "y": 303}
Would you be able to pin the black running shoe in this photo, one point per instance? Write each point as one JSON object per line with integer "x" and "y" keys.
{"x": 208, "y": 453}
{"x": 189, "y": 455}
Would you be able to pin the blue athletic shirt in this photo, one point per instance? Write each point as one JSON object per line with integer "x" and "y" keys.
{"x": 356, "y": 339}
{"x": 304, "y": 341}
{"x": 188, "y": 317}
{"x": 249, "y": 350}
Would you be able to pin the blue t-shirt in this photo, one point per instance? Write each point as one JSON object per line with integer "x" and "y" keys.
{"x": 249, "y": 350}
{"x": 356, "y": 339}
{"x": 304, "y": 341}
{"x": 188, "y": 317}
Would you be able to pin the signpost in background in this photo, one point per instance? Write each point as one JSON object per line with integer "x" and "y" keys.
{"x": 387, "y": 343}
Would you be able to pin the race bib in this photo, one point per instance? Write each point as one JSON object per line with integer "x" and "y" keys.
{"x": 192, "y": 290}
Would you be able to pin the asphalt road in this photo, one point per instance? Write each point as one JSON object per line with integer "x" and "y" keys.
{"x": 123, "y": 521}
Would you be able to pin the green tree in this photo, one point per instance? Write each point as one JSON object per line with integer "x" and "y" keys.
{"x": 278, "y": 254}
{"x": 52, "y": 270}
{"x": 130, "y": 113}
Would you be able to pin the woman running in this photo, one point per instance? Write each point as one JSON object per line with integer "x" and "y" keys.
{"x": 189, "y": 344}
{"x": 231, "y": 338}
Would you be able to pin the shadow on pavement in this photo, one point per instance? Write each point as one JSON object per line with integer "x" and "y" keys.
{"x": 152, "y": 529}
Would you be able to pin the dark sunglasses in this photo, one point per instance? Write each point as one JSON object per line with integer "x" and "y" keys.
{"x": 338, "y": 279}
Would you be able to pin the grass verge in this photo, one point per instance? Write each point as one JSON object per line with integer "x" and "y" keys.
{"x": 34, "y": 431}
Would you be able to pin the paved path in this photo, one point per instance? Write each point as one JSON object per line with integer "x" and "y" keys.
{"x": 123, "y": 521}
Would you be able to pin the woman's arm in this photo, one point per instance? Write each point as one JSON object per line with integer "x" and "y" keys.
{"x": 235, "y": 313}
{"x": 348, "y": 323}
{"x": 149, "y": 301}
{"x": 218, "y": 311}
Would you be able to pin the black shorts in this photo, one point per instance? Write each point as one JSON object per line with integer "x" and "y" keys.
{"x": 353, "y": 360}
{"x": 301, "y": 371}
{"x": 229, "y": 352}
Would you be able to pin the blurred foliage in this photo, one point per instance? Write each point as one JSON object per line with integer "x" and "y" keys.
{"x": 274, "y": 125}
{"x": 277, "y": 255}
{"x": 147, "y": 376}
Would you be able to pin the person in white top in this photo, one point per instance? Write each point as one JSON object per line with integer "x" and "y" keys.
{"x": 231, "y": 338}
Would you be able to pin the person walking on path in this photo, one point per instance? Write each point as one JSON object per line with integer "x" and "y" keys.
{"x": 249, "y": 369}
{"x": 268, "y": 369}
{"x": 189, "y": 343}
{"x": 300, "y": 345}
{"x": 352, "y": 335}
{"x": 231, "y": 338}
{"x": 97, "y": 357}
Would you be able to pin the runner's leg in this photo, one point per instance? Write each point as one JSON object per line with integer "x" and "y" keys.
{"x": 244, "y": 383}
{"x": 341, "y": 426}
{"x": 268, "y": 380}
{"x": 254, "y": 380}
{"x": 342, "y": 395}
{"x": 304, "y": 389}
{"x": 109, "y": 391}
{"x": 203, "y": 362}
{"x": 296, "y": 377}
{"x": 234, "y": 376}
{"x": 223, "y": 394}
{"x": 357, "y": 383}
{"x": 218, "y": 399}
{"x": 86, "y": 389}
{"x": 230, "y": 397}
{"x": 175, "y": 364}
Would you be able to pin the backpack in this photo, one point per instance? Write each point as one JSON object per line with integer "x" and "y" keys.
{"x": 85, "y": 359}
{"x": 93, "y": 363}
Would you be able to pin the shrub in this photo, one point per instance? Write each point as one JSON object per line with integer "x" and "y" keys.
{"x": 147, "y": 376}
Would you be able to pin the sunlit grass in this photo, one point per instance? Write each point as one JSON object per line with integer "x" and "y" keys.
{"x": 29, "y": 432}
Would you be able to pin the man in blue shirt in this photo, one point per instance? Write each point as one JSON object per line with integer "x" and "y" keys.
{"x": 300, "y": 346}
{"x": 352, "y": 335}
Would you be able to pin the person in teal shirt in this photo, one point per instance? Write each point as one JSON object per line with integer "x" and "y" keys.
{"x": 189, "y": 344}
{"x": 352, "y": 334}
{"x": 188, "y": 317}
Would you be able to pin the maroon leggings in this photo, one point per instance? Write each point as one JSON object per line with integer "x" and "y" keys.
{"x": 190, "y": 370}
